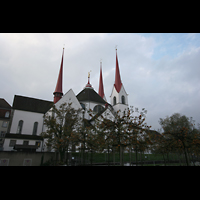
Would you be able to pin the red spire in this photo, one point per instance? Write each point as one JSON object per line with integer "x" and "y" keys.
{"x": 58, "y": 91}
{"x": 101, "y": 89}
{"x": 118, "y": 82}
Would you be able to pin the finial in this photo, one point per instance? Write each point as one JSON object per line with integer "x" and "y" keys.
{"x": 63, "y": 46}
{"x": 116, "y": 47}
{"x": 101, "y": 60}
{"x": 89, "y": 73}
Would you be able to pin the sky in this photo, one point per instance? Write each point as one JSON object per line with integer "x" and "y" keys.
{"x": 159, "y": 71}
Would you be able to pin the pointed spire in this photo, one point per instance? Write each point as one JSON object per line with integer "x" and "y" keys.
{"x": 58, "y": 91}
{"x": 101, "y": 88}
{"x": 118, "y": 82}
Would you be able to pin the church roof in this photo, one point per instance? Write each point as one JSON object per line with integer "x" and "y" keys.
{"x": 58, "y": 88}
{"x": 31, "y": 104}
{"x": 101, "y": 89}
{"x": 89, "y": 94}
{"x": 4, "y": 104}
{"x": 118, "y": 82}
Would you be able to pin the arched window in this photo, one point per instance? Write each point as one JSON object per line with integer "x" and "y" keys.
{"x": 123, "y": 99}
{"x": 7, "y": 114}
{"x": 35, "y": 126}
{"x": 98, "y": 108}
{"x": 114, "y": 101}
{"x": 19, "y": 128}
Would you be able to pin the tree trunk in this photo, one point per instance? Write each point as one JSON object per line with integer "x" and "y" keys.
{"x": 136, "y": 156}
{"x": 186, "y": 156}
{"x": 164, "y": 159}
{"x": 130, "y": 155}
{"x": 108, "y": 157}
{"x": 114, "y": 155}
{"x": 121, "y": 155}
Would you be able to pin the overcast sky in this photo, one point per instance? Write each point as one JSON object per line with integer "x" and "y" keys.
{"x": 159, "y": 71}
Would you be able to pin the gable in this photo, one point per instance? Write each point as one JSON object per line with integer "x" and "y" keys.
{"x": 69, "y": 97}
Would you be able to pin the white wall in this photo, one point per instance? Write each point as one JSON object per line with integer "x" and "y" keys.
{"x": 68, "y": 98}
{"x": 19, "y": 141}
{"x": 29, "y": 119}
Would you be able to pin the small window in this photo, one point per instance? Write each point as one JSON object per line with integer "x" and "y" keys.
{"x": 25, "y": 142}
{"x": 83, "y": 106}
{"x": 35, "y": 126}
{"x": 7, "y": 114}
{"x": 5, "y": 124}
{"x": 123, "y": 100}
{"x": 20, "y": 125}
{"x": 114, "y": 100}
{"x": 37, "y": 144}
{"x": 12, "y": 143}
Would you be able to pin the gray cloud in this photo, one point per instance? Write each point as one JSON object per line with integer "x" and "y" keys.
{"x": 30, "y": 64}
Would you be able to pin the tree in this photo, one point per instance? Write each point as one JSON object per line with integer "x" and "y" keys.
{"x": 124, "y": 131}
{"x": 61, "y": 126}
{"x": 180, "y": 131}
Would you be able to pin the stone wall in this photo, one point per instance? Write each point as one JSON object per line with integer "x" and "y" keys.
{"x": 13, "y": 158}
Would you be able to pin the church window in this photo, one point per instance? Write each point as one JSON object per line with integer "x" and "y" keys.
{"x": 123, "y": 99}
{"x": 83, "y": 106}
{"x": 35, "y": 126}
{"x": 7, "y": 114}
{"x": 20, "y": 125}
{"x": 114, "y": 100}
{"x": 98, "y": 108}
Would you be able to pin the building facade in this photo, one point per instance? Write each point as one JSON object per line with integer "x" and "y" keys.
{"x": 5, "y": 111}
{"x": 27, "y": 115}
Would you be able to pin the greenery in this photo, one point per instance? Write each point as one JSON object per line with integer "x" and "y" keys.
{"x": 67, "y": 128}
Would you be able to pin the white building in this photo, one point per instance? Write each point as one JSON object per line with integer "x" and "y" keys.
{"x": 27, "y": 116}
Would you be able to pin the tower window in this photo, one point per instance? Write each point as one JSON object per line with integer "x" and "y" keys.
{"x": 35, "y": 126}
{"x": 20, "y": 125}
{"x": 114, "y": 100}
{"x": 123, "y": 99}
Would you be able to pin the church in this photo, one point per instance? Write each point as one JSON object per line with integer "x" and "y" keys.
{"x": 27, "y": 114}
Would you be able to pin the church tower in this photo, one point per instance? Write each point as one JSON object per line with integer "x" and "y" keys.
{"x": 119, "y": 97}
{"x": 58, "y": 91}
{"x": 101, "y": 88}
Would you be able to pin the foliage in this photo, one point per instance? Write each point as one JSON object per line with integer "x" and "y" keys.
{"x": 62, "y": 124}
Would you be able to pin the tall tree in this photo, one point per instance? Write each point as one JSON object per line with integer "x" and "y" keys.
{"x": 180, "y": 129}
{"x": 61, "y": 126}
